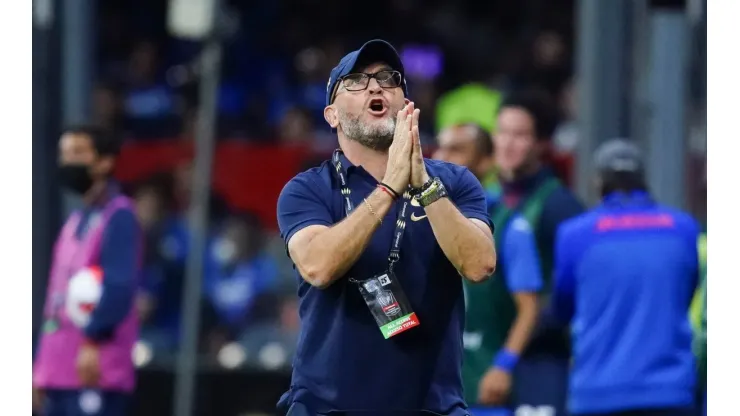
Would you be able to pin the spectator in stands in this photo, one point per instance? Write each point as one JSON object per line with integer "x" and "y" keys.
{"x": 182, "y": 187}
{"x": 188, "y": 125}
{"x": 282, "y": 333}
{"x": 149, "y": 209}
{"x": 522, "y": 140}
{"x": 239, "y": 275}
{"x": 546, "y": 67}
{"x": 149, "y": 103}
{"x": 106, "y": 106}
{"x": 565, "y": 139}
{"x": 158, "y": 301}
{"x": 296, "y": 127}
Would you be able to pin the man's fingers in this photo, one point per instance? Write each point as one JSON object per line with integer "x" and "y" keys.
{"x": 407, "y": 122}
{"x": 411, "y": 110}
{"x": 401, "y": 117}
{"x": 414, "y": 134}
{"x": 400, "y": 128}
{"x": 401, "y": 113}
{"x": 408, "y": 144}
{"x": 416, "y": 142}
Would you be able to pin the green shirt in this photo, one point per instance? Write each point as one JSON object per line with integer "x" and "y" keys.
{"x": 489, "y": 307}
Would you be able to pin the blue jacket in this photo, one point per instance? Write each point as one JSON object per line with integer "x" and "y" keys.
{"x": 625, "y": 275}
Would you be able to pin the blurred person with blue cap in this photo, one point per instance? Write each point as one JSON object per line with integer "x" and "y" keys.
{"x": 380, "y": 238}
{"x": 625, "y": 273}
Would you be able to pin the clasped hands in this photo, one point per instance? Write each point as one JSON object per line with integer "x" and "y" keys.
{"x": 405, "y": 160}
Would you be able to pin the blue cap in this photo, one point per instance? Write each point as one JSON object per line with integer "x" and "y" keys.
{"x": 375, "y": 50}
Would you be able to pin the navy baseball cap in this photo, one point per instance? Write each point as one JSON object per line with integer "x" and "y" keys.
{"x": 618, "y": 156}
{"x": 376, "y": 50}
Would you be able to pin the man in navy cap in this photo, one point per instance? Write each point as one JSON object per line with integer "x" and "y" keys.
{"x": 381, "y": 238}
{"x": 625, "y": 275}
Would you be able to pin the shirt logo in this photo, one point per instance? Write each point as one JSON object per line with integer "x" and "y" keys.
{"x": 414, "y": 217}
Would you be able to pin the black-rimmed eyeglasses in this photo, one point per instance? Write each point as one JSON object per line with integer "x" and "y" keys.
{"x": 360, "y": 81}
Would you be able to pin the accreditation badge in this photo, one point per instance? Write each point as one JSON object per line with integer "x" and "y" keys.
{"x": 388, "y": 304}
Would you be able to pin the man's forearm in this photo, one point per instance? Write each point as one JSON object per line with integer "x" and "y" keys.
{"x": 523, "y": 326}
{"x": 469, "y": 249}
{"x": 331, "y": 253}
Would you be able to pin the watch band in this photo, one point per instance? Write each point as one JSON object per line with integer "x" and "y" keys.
{"x": 423, "y": 187}
{"x": 431, "y": 192}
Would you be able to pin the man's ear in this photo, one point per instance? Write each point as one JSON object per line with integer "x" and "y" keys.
{"x": 331, "y": 116}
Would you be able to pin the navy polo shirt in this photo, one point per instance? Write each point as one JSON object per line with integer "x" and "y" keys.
{"x": 342, "y": 361}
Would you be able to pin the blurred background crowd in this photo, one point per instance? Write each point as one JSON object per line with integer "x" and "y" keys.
{"x": 461, "y": 57}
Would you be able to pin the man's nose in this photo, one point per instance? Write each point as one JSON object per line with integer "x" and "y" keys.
{"x": 373, "y": 87}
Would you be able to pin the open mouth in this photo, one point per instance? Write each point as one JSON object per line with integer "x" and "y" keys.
{"x": 377, "y": 107}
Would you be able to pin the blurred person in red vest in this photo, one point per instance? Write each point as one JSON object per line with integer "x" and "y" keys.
{"x": 524, "y": 127}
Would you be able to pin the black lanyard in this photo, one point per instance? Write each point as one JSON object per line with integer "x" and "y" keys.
{"x": 395, "y": 253}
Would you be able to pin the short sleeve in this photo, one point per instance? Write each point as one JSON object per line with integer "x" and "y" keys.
{"x": 301, "y": 204}
{"x": 523, "y": 273}
{"x": 470, "y": 198}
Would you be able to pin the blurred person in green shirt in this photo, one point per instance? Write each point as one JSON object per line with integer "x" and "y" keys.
{"x": 500, "y": 314}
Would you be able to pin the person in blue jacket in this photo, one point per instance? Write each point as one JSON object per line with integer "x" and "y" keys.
{"x": 625, "y": 273}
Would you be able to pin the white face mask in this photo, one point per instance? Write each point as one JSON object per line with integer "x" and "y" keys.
{"x": 224, "y": 251}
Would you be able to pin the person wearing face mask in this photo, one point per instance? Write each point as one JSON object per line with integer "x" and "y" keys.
{"x": 238, "y": 276}
{"x": 88, "y": 370}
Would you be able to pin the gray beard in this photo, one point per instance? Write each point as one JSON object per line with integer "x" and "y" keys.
{"x": 376, "y": 137}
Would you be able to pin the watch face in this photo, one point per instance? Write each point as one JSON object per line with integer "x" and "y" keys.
{"x": 432, "y": 192}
